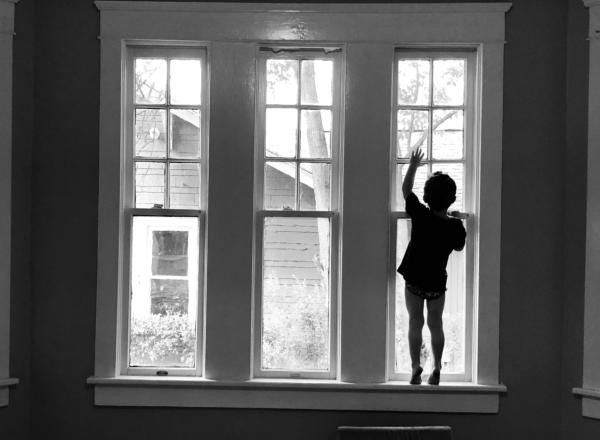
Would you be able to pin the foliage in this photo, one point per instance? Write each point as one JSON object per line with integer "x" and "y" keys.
{"x": 163, "y": 340}
{"x": 295, "y": 327}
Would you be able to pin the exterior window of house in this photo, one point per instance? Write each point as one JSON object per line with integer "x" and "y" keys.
{"x": 297, "y": 191}
{"x": 164, "y": 196}
{"x": 434, "y": 110}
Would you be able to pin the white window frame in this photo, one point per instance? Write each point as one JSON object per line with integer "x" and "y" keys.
{"x": 129, "y": 211}
{"x": 470, "y": 182}
{"x": 590, "y": 389}
{"x": 7, "y": 14}
{"x": 292, "y": 52}
{"x": 370, "y": 33}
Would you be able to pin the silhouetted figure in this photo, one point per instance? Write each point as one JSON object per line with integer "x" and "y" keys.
{"x": 433, "y": 237}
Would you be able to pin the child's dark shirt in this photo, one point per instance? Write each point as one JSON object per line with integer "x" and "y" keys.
{"x": 432, "y": 239}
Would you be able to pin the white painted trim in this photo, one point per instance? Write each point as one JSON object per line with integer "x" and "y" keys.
{"x": 7, "y": 10}
{"x": 4, "y": 385}
{"x": 348, "y": 8}
{"x": 590, "y": 402}
{"x": 369, "y": 34}
{"x": 368, "y": 24}
{"x": 591, "y": 344}
{"x": 295, "y": 394}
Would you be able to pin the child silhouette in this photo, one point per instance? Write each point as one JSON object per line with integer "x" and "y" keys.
{"x": 433, "y": 236}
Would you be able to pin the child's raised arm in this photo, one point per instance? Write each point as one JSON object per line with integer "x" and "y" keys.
{"x": 409, "y": 179}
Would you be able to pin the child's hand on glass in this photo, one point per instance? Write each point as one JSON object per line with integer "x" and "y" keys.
{"x": 416, "y": 157}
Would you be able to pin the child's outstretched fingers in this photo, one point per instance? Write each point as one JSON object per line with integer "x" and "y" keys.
{"x": 416, "y": 157}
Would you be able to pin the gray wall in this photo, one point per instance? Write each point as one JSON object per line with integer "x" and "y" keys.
{"x": 572, "y": 424}
{"x": 541, "y": 310}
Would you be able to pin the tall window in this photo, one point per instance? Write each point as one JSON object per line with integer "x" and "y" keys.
{"x": 297, "y": 193}
{"x": 434, "y": 110}
{"x": 164, "y": 197}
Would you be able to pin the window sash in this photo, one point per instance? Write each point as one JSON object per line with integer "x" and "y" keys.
{"x": 469, "y": 214}
{"x": 261, "y": 213}
{"x": 129, "y": 211}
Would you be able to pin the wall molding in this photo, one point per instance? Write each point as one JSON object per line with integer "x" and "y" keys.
{"x": 590, "y": 390}
{"x": 348, "y": 8}
{"x": 7, "y": 9}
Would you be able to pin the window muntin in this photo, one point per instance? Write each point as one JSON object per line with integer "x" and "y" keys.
{"x": 164, "y": 200}
{"x": 434, "y": 110}
{"x": 297, "y": 193}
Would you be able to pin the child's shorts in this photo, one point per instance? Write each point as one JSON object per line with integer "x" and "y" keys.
{"x": 422, "y": 293}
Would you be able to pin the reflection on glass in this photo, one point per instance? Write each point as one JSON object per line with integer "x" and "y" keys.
{"x": 456, "y": 171}
{"x": 150, "y": 80}
{"x": 281, "y": 133}
{"x": 447, "y": 141}
{"x": 317, "y": 81}
{"x": 418, "y": 187}
{"x": 184, "y": 185}
{"x": 149, "y": 185}
{"x": 315, "y": 136}
{"x": 315, "y": 186}
{"x": 282, "y": 81}
{"x": 170, "y": 253}
{"x": 296, "y": 294}
{"x": 449, "y": 82}
{"x": 413, "y": 128}
{"x": 280, "y": 185}
{"x": 164, "y": 292}
{"x": 150, "y": 133}
{"x": 413, "y": 82}
{"x": 185, "y": 82}
{"x": 185, "y": 133}
{"x": 453, "y": 359}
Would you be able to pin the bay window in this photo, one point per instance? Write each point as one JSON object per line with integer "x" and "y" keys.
{"x": 248, "y": 239}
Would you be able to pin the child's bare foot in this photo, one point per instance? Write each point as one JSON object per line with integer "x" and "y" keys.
{"x": 434, "y": 377}
{"x": 416, "y": 376}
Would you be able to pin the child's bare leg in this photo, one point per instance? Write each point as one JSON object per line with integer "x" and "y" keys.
{"x": 435, "y": 308}
{"x": 414, "y": 305}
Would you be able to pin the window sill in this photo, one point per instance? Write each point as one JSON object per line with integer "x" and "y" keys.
{"x": 4, "y": 384}
{"x": 295, "y": 394}
{"x": 590, "y": 401}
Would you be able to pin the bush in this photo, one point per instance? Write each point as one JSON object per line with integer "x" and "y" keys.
{"x": 163, "y": 341}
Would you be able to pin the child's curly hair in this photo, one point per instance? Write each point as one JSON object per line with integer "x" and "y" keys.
{"x": 440, "y": 191}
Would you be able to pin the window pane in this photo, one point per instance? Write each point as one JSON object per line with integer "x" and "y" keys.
{"x": 149, "y": 185}
{"x": 150, "y": 133}
{"x": 453, "y": 358}
{"x": 164, "y": 292}
{"x": 418, "y": 187}
{"x": 169, "y": 297}
{"x": 456, "y": 171}
{"x": 281, "y": 133}
{"x": 315, "y": 137}
{"x": 280, "y": 185}
{"x": 184, "y": 185}
{"x": 295, "y": 306}
{"x": 413, "y": 82}
{"x": 315, "y": 186}
{"x": 449, "y": 82}
{"x": 150, "y": 81}
{"x": 282, "y": 81}
{"x": 185, "y": 134}
{"x": 447, "y": 142}
{"x": 186, "y": 80}
{"x": 317, "y": 80}
{"x": 413, "y": 128}
{"x": 170, "y": 253}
